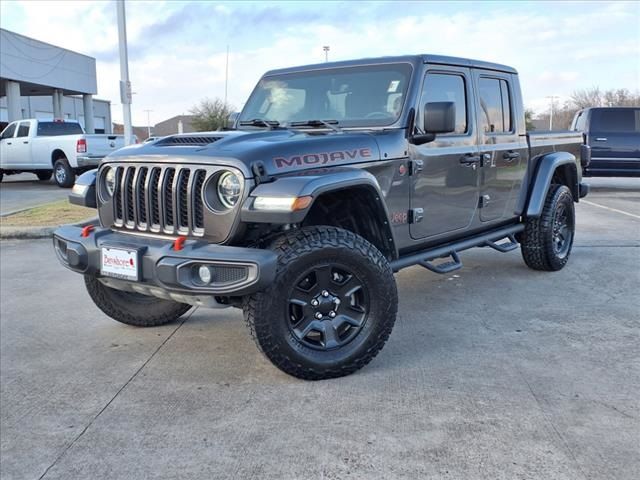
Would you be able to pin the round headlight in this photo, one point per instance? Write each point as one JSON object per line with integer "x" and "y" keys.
{"x": 229, "y": 188}
{"x": 110, "y": 181}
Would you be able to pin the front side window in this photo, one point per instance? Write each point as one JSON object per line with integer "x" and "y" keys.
{"x": 359, "y": 96}
{"x": 445, "y": 87}
{"x": 9, "y": 131}
{"x": 495, "y": 105}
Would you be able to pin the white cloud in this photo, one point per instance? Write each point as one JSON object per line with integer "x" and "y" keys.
{"x": 176, "y": 61}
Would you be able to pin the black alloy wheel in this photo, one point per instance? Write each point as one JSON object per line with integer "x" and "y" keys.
{"x": 328, "y": 306}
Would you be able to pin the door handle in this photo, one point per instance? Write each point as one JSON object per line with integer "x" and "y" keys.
{"x": 601, "y": 139}
{"x": 469, "y": 159}
{"x": 8, "y": 143}
{"x": 26, "y": 141}
{"x": 510, "y": 155}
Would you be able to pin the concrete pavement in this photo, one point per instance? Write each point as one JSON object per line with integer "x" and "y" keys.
{"x": 494, "y": 371}
{"x": 24, "y": 190}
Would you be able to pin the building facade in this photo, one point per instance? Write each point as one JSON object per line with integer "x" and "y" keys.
{"x": 39, "y": 80}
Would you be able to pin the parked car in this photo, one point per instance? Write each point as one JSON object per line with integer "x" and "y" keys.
{"x": 614, "y": 136}
{"x": 337, "y": 176}
{"x": 47, "y": 147}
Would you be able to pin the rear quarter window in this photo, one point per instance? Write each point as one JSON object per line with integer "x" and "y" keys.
{"x": 617, "y": 120}
{"x": 53, "y": 129}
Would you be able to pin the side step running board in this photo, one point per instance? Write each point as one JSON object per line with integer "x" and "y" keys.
{"x": 487, "y": 239}
{"x": 505, "y": 247}
{"x": 445, "y": 267}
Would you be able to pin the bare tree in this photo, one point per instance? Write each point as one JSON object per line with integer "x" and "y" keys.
{"x": 589, "y": 97}
{"x": 210, "y": 115}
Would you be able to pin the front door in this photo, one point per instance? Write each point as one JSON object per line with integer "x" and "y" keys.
{"x": 21, "y": 154}
{"x": 502, "y": 149}
{"x": 445, "y": 172}
{"x": 6, "y": 145}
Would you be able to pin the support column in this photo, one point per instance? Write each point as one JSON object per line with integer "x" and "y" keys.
{"x": 87, "y": 107}
{"x": 14, "y": 108}
{"x": 57, "y": 104}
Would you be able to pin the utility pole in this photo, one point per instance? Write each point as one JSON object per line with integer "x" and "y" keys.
{"x": 148, "y": 122}
{"x": 326, "y": 53}
{"x": 125, "y": 84}
{"x": 226, "y": 78}
{"x": 552, "y": 98}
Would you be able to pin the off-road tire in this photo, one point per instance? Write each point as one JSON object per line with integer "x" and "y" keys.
{"x": 63, "y": 173}
{"x": 267, "y": 316}
{"x": 133, "y": 308}
{"x": 537, "y": 240}
{"x": 44, "y": 175}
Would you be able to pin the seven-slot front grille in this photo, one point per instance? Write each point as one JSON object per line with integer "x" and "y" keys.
{"x": 160, "y": 199}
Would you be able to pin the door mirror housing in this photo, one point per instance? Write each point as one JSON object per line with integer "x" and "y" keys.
{"x": 440, "y": 117}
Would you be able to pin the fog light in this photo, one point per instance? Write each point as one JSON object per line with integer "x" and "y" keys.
{"x": 204, "y": 273}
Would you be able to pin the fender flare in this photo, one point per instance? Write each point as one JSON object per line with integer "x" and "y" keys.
{"x": 541, "y": 180}
{"x": 314, "y": 183}
{"x": 84, "y": 190}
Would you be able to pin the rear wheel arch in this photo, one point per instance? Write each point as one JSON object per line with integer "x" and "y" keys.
{"x": 58, "y": 154}
{"x": 358, "y": 209}
{"x": 555, "y": 168}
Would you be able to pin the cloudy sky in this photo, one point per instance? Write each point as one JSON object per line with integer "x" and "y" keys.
{"x": 177, "y": 50}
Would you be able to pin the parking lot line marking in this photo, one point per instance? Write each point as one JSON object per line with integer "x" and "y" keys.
{"x": 611, "y": 209}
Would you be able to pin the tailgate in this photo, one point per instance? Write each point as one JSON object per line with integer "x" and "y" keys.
{"x": 103, "y": 145}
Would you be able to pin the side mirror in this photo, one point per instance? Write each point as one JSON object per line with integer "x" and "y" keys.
{"x": 440, "y": 117}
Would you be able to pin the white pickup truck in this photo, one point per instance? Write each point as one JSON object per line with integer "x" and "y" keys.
{"x": 57, "y": 147}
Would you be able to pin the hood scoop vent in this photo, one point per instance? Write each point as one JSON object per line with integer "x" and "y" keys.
{"x": 187, "y": 140}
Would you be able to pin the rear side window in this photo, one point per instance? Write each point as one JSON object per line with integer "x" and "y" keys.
{"x": 445, "y": 87}
{"x": 495, "y": 105}
{"x": 580, "y": 121}
{"x": 9, "y": 131}
{"x": 615, "y": 120}
{"x": 53, "y": 129}
{"x": 23, "y": 129}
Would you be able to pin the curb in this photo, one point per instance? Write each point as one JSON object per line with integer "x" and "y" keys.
{"x": 29, "y": 233}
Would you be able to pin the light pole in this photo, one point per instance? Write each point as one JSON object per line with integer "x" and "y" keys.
{"x": 552, "y": 98}
{"x": 148, "y": 122}
{"x": 125, "y": 84}
{"x": 226, "y": 78}
{"x": 326, "y": 53}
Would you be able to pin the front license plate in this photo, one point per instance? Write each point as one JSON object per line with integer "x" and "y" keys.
{"x": 120, "y": 263}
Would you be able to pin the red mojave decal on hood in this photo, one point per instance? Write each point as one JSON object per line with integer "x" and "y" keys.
{"x": 321, "y": 158}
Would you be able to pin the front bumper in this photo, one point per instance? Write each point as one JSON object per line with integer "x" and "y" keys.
{"x": 166, "y": 272}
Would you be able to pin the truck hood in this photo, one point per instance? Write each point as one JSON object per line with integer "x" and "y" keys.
{"x": 279, "y": 151}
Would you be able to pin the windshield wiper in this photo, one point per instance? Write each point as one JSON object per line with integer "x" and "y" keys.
{"x": 332, "y": 124}
{"x": 259, "y": 122}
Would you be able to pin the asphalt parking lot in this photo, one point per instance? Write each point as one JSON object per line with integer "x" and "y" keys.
{"x": 24, "y": 190}
{"x": 495, "y": 372}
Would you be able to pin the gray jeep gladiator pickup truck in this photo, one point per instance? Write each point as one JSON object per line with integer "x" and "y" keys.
{"x": 335, "y": 177}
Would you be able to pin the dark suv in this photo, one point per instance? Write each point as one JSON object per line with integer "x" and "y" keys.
{"x": 336, "y": 176}
{"x": 614, "y": 137}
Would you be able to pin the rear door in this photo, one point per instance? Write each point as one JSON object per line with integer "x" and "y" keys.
{"x": 444, "y": 193}
{"x": 502, "y": 149}
{"x": 614, "y": 136}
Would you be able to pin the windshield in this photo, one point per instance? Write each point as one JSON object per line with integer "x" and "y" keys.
{"x": 360, "y": 96}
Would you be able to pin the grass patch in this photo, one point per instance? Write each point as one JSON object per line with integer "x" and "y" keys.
{"x": 51, "y": 214}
